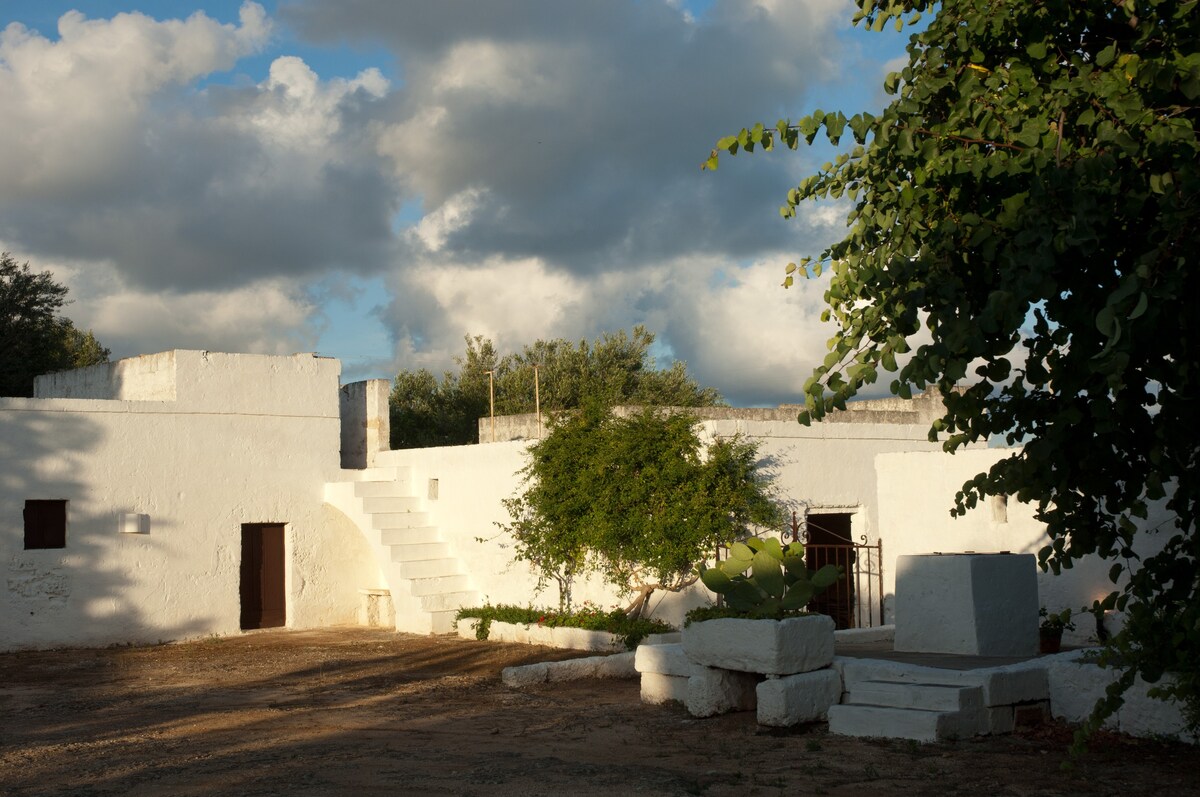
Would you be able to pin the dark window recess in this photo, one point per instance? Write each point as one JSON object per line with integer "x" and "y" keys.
{"x": 45, "y": 524}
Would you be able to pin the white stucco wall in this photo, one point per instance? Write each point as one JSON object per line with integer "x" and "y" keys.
{"x": 916, "y": 493}
{"x": 827, "y": 466}
{"x": 249, "y": 439}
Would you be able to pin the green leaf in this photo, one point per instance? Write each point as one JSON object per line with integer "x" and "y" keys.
{"x": 768, "y": 574}
{"x": 827, "y": 576}
{"x": 799, "y": 595}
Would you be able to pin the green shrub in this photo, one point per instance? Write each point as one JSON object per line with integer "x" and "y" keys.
{"x": 588, "y": 617}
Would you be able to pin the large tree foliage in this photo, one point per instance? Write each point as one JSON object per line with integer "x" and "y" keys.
{"x": 34, "y": 338}
{"x": 637, "y": 498}
{"x": 1030, "y": 198}
{"x": 615, "y": 369}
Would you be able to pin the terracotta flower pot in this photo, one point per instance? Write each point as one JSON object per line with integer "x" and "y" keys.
{"x": 1051, "y": 640}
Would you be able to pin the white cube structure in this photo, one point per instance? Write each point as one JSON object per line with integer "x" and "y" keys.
{"x": 970, "y": 604}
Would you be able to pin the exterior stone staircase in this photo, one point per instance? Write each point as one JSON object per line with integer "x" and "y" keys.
{"x": 926, "y": 712}
{"x": 427, "y": 583}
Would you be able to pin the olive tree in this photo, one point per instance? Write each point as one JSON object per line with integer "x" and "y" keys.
{"x": 636, "y": 498}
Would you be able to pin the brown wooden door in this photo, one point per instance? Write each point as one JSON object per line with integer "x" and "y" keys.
{"x": 263, "y": 597}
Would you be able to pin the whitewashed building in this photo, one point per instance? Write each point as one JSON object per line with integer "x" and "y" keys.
{"x": 188, "y": 494}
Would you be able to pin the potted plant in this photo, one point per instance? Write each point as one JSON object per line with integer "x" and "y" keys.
{"x": 763, "y": 627}
{"x": 1051, "y": 629}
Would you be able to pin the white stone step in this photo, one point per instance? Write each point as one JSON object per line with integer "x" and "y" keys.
{"x": 399, "y": 520}
{"x": 439, "y": 584}
{"x": 375, "y": 505}
{"x": 927, "y": 696}
{"x": 429, "y": 568}
{"x": 399, "y": 474}
{"x": 899, "y": 723}
{"x": 449, "y": 601}
{"x": 420, "y": 550}
{"x": 383, "y": 488}
{"x": 409, "y": 536}
{"x": 442, "y": 622}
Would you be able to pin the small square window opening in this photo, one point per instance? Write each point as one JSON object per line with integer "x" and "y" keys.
{"x": 45, "y": 524}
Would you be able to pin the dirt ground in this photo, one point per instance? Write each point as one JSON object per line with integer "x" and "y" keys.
{"x": 359, "y": 712}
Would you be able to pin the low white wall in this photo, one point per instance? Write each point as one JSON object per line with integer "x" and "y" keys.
{"x": 199, "y": 474}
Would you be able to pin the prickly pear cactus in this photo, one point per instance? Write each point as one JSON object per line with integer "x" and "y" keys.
{"x": 777, "y": 582}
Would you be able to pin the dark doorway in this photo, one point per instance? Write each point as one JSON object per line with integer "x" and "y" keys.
{"x": 829, "y": 543}
{"x": 263, "y": 596}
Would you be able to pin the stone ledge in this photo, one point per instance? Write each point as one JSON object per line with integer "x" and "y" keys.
{"x": 533, "y": 634}
{"x": 619, "y": 665}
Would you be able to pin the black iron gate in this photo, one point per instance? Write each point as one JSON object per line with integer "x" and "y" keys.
{"x": 856, "y": 600}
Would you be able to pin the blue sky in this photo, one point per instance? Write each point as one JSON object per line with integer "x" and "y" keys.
{"x": 375, "y": 179}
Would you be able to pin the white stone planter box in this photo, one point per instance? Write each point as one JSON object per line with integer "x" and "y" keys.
{"x": 534, "y": 634}
{"x": 771, "y": 647}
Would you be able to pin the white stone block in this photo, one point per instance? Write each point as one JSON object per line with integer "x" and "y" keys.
{"x": 540, "y": 635}
{"x": 1000, "y": 719}
{"x": 669, "y": 638}
{"x": 660, "y": 688}
{"x": 713, "y": 691}
{"x": 927, "y": 696}
{"x": 618, "y": 665}
{"x": 792, "y": 699}
{"x": 663, "y": 659}
{"x": 583, "y": 639}
{"x": 526, "y": 675}
{"x": 375, "y": 608}
{"x": 466, "y": 627}
{"x": 1004, "y": 686}
{"x": 859, "y": 636}
{"x": 900, "y": 723}
{"x": 772, "y": 647}
{"x": 973, "y": 604}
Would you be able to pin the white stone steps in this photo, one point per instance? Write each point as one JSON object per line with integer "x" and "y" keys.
{"x": 426, "y": 582}
{"x": 408, "y": 536}
{"x": 442, "y": 622}
{"x": 399, "y": 520}
{"x": 440, "y": 584}
{"x": 428, "y": 568}
{"x": 397, "y": 475}
{"x": 898, "y": 723}
{"x": 926, "y": 696}
{"x": 420, "y": 550}
{"x": 381, "y": 488}
{"x": 449, "y": 601}
{"x": 386, "y": 504}
{"x": 925, "y": 712}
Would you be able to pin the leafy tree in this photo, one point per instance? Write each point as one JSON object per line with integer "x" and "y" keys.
{"x": 34, "y": 338}
{"x": 637, "y": 498}
{"x": 615, "y": 369}
{"x": 1030, "y": 197}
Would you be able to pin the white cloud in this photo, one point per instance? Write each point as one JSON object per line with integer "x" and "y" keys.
{"x": 74, "y": 107}
{"x": 296, "y": 111}
{"x": 553, "y": 147}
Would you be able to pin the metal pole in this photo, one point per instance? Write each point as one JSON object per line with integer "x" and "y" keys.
{"x": 492, "y": 401}
{"x": 537, "y": 400}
